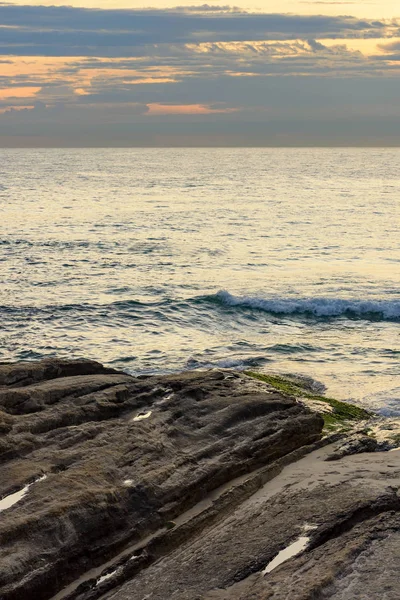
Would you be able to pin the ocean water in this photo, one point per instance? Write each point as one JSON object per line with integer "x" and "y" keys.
{"x": 157, "y": 260}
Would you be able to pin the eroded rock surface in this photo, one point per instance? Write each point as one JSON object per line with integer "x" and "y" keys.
{"x": 125, "y": 457}
{"x": 185, "y": 487}
{"x": 349, "y": 510}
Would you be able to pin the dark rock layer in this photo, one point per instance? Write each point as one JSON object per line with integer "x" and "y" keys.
{"x": 111, "y": 479}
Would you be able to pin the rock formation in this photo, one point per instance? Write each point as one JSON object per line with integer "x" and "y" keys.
{"x": 122, "y": 458}
{"x": 183, "y": 487}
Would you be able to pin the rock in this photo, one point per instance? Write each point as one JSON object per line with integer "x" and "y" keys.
{"x": 26, "y": 373}
{"x": 386, "y": 431}
{"x": 113, "y": 478}
{"x": 186, "y": 487}
{"x": 349, "y": 510}
{"x": 355, "y": 444}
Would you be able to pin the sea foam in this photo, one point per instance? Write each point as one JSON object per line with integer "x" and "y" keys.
{"x": 318, "y": 307}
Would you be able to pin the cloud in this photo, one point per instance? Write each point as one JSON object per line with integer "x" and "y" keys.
{"x": 390, "y": 47}
{"x": 19, "y": 92}
{"x": 188, "y": 109}
{"x": 207, "y": 8}
{"x": 391, "y": 52}
{"x": 67, "y": 31}
{"x": 91, "y": 76}
{"x": 328, "y": 2}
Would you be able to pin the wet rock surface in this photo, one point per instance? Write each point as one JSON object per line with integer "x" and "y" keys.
{"x": 349, "y": 510}
{"x": 186, "y": 487}
{"x": 125, "y": 458}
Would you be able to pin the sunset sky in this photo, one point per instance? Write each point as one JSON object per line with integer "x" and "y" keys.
{"x": 293, "y": 72}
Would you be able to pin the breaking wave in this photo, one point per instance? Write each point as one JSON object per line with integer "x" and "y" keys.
{"x": 374, "y": 310}
{"x": 176, "y": 309}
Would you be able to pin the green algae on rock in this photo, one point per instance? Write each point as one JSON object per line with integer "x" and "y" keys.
{"x": 338, "y": 416}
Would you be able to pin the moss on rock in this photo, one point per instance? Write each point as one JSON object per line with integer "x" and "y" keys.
{"x": 337, "y": 415}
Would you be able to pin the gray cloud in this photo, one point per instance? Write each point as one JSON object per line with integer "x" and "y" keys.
{"x": 67, "y": 31}
{"x": 391, "y": 50}
{"x": 207, "y": 8}
{"x": 277, "y": 83}
{"x": 390, "y": 47}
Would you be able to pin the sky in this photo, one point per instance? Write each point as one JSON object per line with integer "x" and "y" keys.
{"x": 272, "y": 73}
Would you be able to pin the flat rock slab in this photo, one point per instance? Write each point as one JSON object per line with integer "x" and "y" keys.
{"x": 348, "y": 509}
{"x": 110, "y": 458}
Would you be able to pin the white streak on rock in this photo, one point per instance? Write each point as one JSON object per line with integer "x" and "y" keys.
{"x": 12, "y": 499}
{"x": 284, "y": 555}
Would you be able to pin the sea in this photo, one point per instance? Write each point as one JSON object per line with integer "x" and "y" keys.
{"x": 162, "y": 260}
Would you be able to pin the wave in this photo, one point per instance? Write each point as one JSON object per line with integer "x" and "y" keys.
{"x": 199, "y": 307}
{"x": 386, "y": 402}
{"x": 83, "y": 307}
{"x": 374, "y": 310}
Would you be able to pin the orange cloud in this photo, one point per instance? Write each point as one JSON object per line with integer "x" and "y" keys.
{"x": 24, "y": 65}
{"x": 19, "y": 92}
{"x": 15, "y": 109}
{"x": 81, "y": 92}
{"x": 79, "y": 74}
{"x": 148, "y": 80}
{"x": 186, "y": 109}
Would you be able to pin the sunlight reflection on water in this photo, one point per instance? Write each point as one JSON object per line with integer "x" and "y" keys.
{"x": 109, "y": 254}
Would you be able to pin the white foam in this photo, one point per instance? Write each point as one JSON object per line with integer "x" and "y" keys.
{"x": 226, "y": 363}
{"x": 319, "y": 307}
{"x": 385, "y": 402}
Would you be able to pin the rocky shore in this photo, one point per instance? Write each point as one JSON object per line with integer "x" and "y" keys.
{"x": 192, "y": 486}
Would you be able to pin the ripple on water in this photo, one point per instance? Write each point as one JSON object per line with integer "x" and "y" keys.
{"x": 313, "y": 294}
